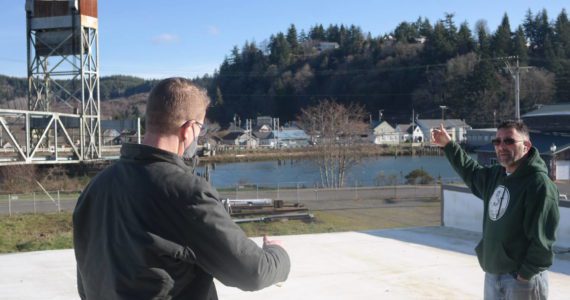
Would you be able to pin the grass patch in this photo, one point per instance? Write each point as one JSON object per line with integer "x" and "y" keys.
{"x": 29, "y": 232}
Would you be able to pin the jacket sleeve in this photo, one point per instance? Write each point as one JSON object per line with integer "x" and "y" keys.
{"x": 540, "y": 223}
{"x": 474, "y": 175}
{"x": 80, "y": 289}
{"x": 223, "y": 250}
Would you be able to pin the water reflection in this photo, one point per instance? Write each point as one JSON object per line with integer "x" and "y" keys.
{"x": 291, "y": 172}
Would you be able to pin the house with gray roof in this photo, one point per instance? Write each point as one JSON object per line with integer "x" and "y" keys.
{"x": 291, "y": 137}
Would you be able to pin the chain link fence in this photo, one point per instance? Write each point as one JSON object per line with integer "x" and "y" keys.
{"x": 37, "y": 202}
{"x": 310, "y": 195}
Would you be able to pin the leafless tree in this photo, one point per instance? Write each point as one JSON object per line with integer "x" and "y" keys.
{"x": 17, "y": 178}
{"x": 335, "y": 129}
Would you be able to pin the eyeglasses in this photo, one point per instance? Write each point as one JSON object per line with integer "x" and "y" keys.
{"x": 203, "y": 127}
{"x": 506, "y": 141}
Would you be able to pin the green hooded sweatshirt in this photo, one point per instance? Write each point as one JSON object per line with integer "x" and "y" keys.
{"x": 520, "y": 212}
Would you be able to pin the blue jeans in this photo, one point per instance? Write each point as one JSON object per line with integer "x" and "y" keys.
{"x": 507, "y": 287}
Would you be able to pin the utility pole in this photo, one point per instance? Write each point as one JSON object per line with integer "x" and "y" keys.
{"x": 443, "y": 108}
{"x": 380, "y": 115}
{"x": 516, "y": 74}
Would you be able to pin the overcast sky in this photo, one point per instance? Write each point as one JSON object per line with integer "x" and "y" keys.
{"x": 158, "y": 39}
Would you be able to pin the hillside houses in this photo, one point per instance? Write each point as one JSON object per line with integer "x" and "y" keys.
{"x": 264, "y": 132}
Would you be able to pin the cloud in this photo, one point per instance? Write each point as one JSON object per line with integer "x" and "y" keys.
{"x": 213, "y": 30}
{"x": 165, "y": 38}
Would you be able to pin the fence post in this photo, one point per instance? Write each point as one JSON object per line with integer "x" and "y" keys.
{"x": 396, "y": 192}
{"x": 297, "y": 192}
{"x": 58, "y": 202}
{"x": 34, "y": 197}
{"x": 10, "y": 204}
{"x": 277, "y": 190}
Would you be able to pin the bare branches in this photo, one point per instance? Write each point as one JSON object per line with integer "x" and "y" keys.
{"x": 334, "y": 128}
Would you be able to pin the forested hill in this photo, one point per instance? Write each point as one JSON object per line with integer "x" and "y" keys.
{"x": 111, "y": 87}
{"x": 420, "y": 65}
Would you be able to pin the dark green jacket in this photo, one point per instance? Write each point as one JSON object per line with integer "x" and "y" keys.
{"x": 147, "y": 228}
{"x": 520, "y": 212}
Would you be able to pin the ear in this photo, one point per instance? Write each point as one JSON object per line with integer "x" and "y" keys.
{"x": 527, "y": 145}
{"x": 185, "y": 131}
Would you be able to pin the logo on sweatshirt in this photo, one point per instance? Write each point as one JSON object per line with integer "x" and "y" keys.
{"x": 498, "y": 203}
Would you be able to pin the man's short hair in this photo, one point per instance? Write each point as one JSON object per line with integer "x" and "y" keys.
{"x": 519, "y": 126}
{"x": 172, "y": 102}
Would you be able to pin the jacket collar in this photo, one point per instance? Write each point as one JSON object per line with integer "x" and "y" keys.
{"x": 145, "y": 153}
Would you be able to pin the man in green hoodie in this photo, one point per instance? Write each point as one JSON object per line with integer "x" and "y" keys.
{"x": 520, "y": 212}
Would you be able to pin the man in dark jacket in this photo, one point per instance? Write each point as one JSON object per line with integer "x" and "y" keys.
{"x": 147, "y": 228}
{"x": 520, "y": 212}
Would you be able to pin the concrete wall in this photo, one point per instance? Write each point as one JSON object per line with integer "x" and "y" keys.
{"x": 460, "y": 209}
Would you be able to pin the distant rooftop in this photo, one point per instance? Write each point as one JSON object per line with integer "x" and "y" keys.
{"x": 448, "y": 123}
{"x": 541, "y": 141}
{"x": 550, "y": 110}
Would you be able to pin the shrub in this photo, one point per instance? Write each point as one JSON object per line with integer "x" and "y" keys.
{"x": 419, "y": 176}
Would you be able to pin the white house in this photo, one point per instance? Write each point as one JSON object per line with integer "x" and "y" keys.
{"x": 384, "y": 134}
{"x": 410, "y": 133}
{"x": 456, "y": 128}
{"x": 237, "y": 138}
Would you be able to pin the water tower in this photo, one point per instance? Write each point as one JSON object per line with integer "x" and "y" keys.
{"x": 63, "y": 77}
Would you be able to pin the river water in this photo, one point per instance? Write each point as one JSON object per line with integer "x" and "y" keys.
{"x": 305, "y": 172}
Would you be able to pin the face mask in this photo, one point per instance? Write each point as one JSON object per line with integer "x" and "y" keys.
{"x": 190, "y": 151}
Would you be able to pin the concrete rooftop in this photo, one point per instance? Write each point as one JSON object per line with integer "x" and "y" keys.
{"x": 413, "y": 263}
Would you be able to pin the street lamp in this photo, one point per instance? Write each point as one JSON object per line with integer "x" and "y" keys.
{"x": 553, "y": 161}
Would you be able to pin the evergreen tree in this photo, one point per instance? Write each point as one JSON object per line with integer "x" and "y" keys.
{"x": 303, "y": 36}
{"x": 332, "y": 34}
{"x": 519, "y": 46}
{"x": 439, "y": 48}
{"x": 465, "y": 42}
{"x": 424, "y": 27}
{"x": 562, "y": 35}
{"x": 317, "y": 33}
{"x": 501, "y": 42}
{"x": 235, "y": 56}
{"x": 405, "y": 32}
{"x": 450, "y": 27}
{"x": 280, "y": 50}
{"x": 562, "y": 45}
{"x": 483, "y": 38}
{"x": 292, "y": 38}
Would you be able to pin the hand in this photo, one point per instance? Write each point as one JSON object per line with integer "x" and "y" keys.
{"x": 439, "y": 136}
{"x": 268, "y": 242}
